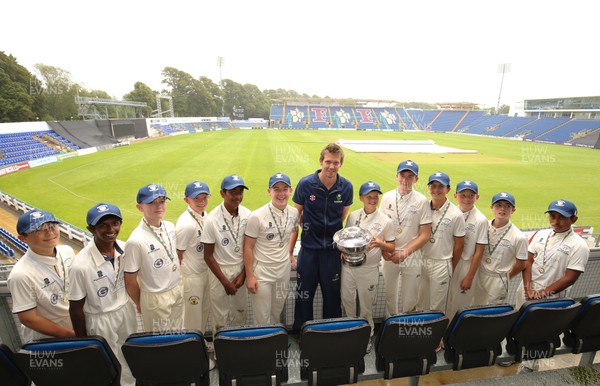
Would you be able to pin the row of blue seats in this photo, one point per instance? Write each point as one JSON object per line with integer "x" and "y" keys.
{"x": 27, "y": 157}
{"x": 27, "y": 142}
{"x": 33, "y": 147}
{"x": 330, "y": 351}
{"x": 13, "y": 240}
{"x": 41, "y": 152}
{"x": 20, "y": 139}
{"x": 6, "y": 250}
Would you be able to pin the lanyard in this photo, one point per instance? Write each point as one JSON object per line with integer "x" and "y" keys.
{"x": 283, "y": 225}
{"x": 201, "y": 225}
{"x": 161, "y": 241}
{"x": 237, "y": 232}
{"x": 546, "y": 258}
{"x": 402, "y": 216}
{"x": 63, "y": 281}
{"x": 432, "y": 239}
{"x": 492, "y": 250}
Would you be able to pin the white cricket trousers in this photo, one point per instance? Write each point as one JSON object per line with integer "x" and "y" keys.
{"x": 227, "y": 310}
{"x": 490, "y": 288}
{"x": 273, "y": 287}
{"x": 115, "y": 326}
{"x": 196, "y": 301}
{"x": 362, "y": 280}
{"x": 457, "y": 298}
{"x": 404, "y": 277}
{"x": 162, "y": 311}
{"x": 435, "y": 282}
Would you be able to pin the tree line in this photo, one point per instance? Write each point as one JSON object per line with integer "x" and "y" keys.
{"x": 49, "y": 95}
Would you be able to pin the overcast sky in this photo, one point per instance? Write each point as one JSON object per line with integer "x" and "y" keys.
{"x": 429, "y": 51}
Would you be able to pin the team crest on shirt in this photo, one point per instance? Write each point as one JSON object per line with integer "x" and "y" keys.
{"x": 102, "y": 292}
{"x": 194, "y": 300}
{"x": 200, "y": 247}
{"x": 338, "y": 199}
{"x": 505, "y": 243}
{"x": 158, "y": 263}
{"x": 566, "y": 249}
{"x": 270, "y": 236}
{"x": 446, "y": 222}
{"x": 376, "y": 228}
{"x": 54, "y": 298}
{"x": 312, "y": 197}
{"x": 225, "y": 242}
{"x": 470, "y": 228}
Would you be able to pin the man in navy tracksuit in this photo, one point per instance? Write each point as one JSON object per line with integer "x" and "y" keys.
{"x": 323, "y": 200}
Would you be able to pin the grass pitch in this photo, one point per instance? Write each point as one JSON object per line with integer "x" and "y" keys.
{"x": 535, "y": 173}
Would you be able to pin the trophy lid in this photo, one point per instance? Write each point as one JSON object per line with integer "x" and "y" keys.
{"x": 352, "y": 237}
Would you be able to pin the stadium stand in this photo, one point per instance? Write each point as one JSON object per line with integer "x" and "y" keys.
{"x": 589, "y": 140}
{"x": 472, "y": 118}
{"x": 539, "y": 127}
{"x": 447, "y": 120}
{"x": 505, "y": 128}
{"x": 22, "y": 147}
{"x": 570, "y": 130}
{"x": 14, "y": 240}
{"x": 486, "y": 126}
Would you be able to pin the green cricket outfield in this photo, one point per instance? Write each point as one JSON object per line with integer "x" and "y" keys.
{"x": 535, "y": 173}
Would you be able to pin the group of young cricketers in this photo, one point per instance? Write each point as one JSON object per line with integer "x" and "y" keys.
{"x": 432, "y": 253}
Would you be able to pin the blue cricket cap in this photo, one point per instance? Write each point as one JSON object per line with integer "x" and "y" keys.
{"x": 466, "y": 184}
{"x": 564, "y": 207}
{"x": 503, "y": 196}
{"x": 95, "y": 214}
{"x": 151, "y": 192}
{"x": 232, "y": 181}
{"x": 440, "y": 177}
{"x": 279, "y": 177}
{"x": 193, "y": 189}
{"x": 31, "y": 220}
{"x": 408, "y": 165}
{"x": 368, "y": 187}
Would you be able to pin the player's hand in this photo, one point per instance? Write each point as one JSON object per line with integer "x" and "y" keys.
{"x": 343, "y": 256}
{"x": 294, "y": 264}
{"x": 466, "y": 283}
{"x": 239, "y": 280}
{"x": 252, "y": 284}
{"x": 530, "y": 294}
{"x": 230, "y": 288}
{"x": 375, "y": 243}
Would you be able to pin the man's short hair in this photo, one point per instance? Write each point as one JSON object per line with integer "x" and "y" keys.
{"x": 332, "y": 148}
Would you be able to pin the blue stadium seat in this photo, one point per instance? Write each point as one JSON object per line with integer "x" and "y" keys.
{"x": 10, "y": 373}
{"x": 268, "y": 364}
{"x": 407, "y": 342}
{"x": 583, "y": 333}
{"x": 178, "y": 358}
{"x": 536, "y": 333}
{"x": 475, "y": 333}
{"x": 332, "y": 350}
{"x": 70, "y": 361}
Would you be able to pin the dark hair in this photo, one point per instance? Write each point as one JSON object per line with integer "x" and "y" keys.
{"x": 332, "y": 148}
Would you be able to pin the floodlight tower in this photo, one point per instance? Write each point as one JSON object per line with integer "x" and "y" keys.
{"x": 220, "y": 63}
{"x": 503, "y": 69}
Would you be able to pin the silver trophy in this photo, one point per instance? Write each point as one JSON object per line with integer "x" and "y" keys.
{"x": 354, "y": 242}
